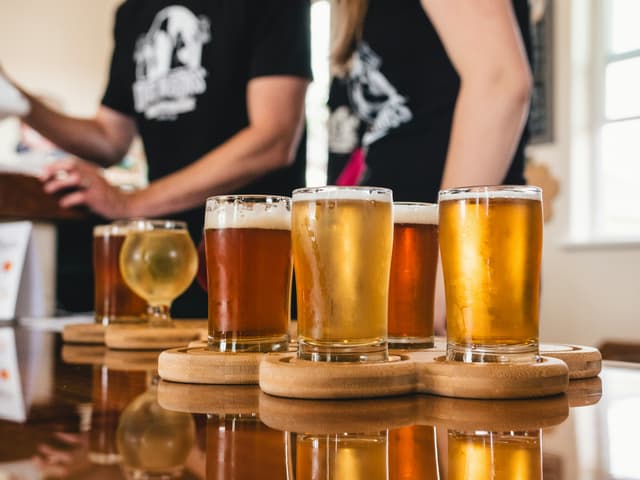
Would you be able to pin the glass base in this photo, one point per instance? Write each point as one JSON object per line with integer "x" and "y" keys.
{"x": 120, "y": 320}
{"x": 219, "y": 343}
{"x": 98, "y": 458}
{"x": 322, "y": 352}
{"x": 495, "y": 353}
{"x": 165, "y": 474}
{"x": 410, "y": 343}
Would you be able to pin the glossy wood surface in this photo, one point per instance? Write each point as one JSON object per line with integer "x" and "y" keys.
{"x": 98, "y": 413}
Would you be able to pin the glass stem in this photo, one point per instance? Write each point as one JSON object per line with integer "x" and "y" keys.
{"x": 159, "y": 316}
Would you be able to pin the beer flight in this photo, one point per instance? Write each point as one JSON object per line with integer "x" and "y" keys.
{"x": 365, "y": 270}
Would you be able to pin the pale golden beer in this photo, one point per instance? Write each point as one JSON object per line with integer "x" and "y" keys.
{"x": 499, "y": 456}
{"x": 342, "y": 242}
{"x": 158, "y": 261}
{"x": 413, "y": 275}
{"x": 249, "y": 265}
{"x": 114, "y": 301}
{"x": 491, "y": 247}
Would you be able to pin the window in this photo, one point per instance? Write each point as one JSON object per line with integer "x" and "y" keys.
{"x": 615, "y": 122}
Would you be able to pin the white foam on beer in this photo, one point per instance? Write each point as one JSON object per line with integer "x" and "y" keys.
{"x": 109, "y": 230}
{"x": 267, "y": 216}
{"x": 423, "y": 214}
{"x": 342, "y": 193}
{"x": 522, "y": 192}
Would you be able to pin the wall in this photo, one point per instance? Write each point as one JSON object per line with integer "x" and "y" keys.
{"x": 589, "y": 293}
{"x": 58, "y": 49}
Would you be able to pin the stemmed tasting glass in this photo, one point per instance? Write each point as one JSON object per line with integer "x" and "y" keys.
{"x": 158, "y": 261}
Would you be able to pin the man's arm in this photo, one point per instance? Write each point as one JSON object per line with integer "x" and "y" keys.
{"x": 103, "y": 139}
{"x": 484, "y": 44}
{"x": 275, "y": 106}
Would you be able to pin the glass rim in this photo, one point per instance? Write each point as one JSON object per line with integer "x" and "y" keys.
{"x": 166, "y": 224}
{"x": 531, "y": 192}
{"x": 258, "y": 198}
{"x": 337, "y": 191}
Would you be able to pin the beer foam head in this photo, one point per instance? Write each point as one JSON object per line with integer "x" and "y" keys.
{"x": 342, "y": 193}
{"x": 415, "y": 213}
{"x": 112, "y": 229}
{"x": 524, "y": 192}
{"x": 228, "y": 213}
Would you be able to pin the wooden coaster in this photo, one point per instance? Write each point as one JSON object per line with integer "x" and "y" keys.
{"x": 584, "y": 392}
{"x": 583, "y": 362}
{"x": 284, "y": 375}
{"x": 83, "y": 354}
{"x": 92, "y": 333}
{"x": 217, "y": 399}
{"x": 338, "y": 416}
{"x": 493, "y": 415}
{"x": 199, "y": 365}
{"x": 130, "y": 337}
{"x": 438, "y": 376}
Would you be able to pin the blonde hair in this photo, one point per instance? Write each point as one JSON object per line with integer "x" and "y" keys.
{"x": 347, "y": 25}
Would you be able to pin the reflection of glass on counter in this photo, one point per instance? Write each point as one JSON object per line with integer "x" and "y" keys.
{"x": 413, "y": 453}
{"x": 154, "y": 443}
{"x": 113, "y": 390}
{"x": 344, "y": 455}
{"x": 495, "y": 455}
{"x": 241, "y": 447}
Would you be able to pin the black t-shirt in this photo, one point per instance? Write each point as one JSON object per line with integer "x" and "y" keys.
{"x": 181, "y": 69}
{"x": 403, "y": 85}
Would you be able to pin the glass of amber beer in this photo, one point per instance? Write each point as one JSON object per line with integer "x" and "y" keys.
{"x": 342, "y": 243}
{"x": 248, "y": 252}
{"x": 491, "y": 247}
{"x": 114, "y": 301}
{"x": 413, "y": 275}
{"x": 158, "y": 261}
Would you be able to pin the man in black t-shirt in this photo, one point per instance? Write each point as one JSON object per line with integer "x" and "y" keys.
{"x": 215, "y": 88}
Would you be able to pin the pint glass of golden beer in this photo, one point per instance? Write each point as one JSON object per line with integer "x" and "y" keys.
{"x": 248, "y": 252}
{"x": 114, "y": 301}
{"x": 342, "y": 242}
{"x": 491, "y": 247}
{"x": 413, "y": 275}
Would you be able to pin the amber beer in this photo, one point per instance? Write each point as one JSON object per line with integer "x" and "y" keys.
{"x": 342, "y": 241}
{"x": 248, "y": 252}
{"x": 345, "y": 455}
{"x": 413, "y": 453}
{"x": 496, "y": 455}
{"x": 413, "y": 275}
{"x": 491, "y": 246}
{"x": 114, "y": 301}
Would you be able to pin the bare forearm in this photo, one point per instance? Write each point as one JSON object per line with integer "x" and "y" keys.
{"x": 78, "y": 136}
{"x": 245, "y": 157}
{"x": 487, "y": 126}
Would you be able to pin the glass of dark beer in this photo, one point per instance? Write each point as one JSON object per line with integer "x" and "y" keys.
{"x": 491, "y": 247}
{"x": 413, "y": 275}
{"x": 249, "y": 268}
{"x": 114, "y": 301}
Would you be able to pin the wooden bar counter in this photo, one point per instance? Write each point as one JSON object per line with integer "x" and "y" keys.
{"x": 116, "y": 417}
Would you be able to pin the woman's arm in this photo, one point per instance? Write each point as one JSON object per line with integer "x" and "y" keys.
{"x": 484, "y": 44}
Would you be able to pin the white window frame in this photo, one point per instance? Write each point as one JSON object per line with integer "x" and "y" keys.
{"x": 590, "y": 57}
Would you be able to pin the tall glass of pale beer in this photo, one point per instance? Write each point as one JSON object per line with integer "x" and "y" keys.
{"x": 342, "y": 243}
{"x": 413, "y": 275}
{"x": 114, "y": 301}
{"x": 491, "y": 247}
{"x": 249, "y": 267}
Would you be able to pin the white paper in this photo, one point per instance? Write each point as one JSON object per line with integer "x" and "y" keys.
{"x": 12, "y": 405}
{"x": 14, "y": 239}
{"x": 12, "y": 102}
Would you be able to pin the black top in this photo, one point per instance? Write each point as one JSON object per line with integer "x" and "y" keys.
{"x": 181, "y": 69}
{"x": 403, "y": 85}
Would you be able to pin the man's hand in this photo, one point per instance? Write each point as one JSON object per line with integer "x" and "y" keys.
{"x": 87, "y": 187}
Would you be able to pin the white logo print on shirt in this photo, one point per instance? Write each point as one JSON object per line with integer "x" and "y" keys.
{"x": 373, "y": 97}
{"x": 169, "y": 72}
